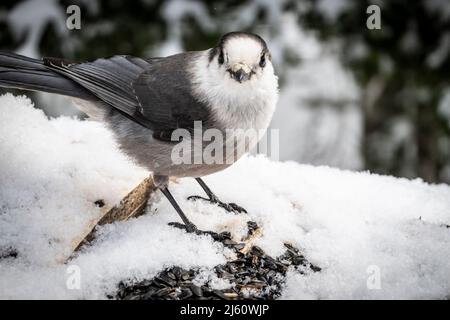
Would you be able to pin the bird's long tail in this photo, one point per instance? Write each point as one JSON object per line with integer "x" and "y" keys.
{"x": 25, "y": 73}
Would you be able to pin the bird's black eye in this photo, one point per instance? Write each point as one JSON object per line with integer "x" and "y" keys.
{"x": 262, "y": 62}
{"x": 221, "y": 58}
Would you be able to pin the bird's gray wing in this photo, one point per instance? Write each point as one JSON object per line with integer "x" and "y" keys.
{"x": 155, "y": 93}
{"x": 164, "y": 91}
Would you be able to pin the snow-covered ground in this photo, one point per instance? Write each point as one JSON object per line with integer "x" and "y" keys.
{"x": 373, "y": 236}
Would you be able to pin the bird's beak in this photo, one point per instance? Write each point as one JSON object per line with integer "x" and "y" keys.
{"x": 240, "y": 72}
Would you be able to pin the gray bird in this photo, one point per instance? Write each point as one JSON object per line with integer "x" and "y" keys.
{"x": 144, "y": 101}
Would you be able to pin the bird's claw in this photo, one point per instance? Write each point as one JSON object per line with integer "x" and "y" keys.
{"x": 191, "y": 228}
{"x": 230, "y": 207}
{"x": 194, "y": 198}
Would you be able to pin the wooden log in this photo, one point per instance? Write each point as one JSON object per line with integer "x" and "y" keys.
{"x": 132, "y": 205}
{"x": 250, "y": 240}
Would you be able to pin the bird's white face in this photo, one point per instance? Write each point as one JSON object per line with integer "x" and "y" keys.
{"x": 237, "y": 80}
{"x": 242, "y": 59}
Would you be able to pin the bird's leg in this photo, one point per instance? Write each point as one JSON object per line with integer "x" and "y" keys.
{"x": 161, "y": 182}
{"x": 188, "y": 225}
{"x": 230, "y": 207}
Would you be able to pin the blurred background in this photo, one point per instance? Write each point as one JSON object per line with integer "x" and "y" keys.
{"x": 350, "y": 97}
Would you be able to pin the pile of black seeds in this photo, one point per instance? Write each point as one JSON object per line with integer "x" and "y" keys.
{"x": 253, "y": 275}
{"x": 8, "y": 252}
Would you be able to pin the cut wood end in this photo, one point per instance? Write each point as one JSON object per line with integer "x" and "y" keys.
{"x": 251, "y": 240}
{"x": 132, "y": 205}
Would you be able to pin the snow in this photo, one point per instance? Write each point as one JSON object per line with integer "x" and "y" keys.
{"x": 444, "y": 105}
{"x": 323, "y": 98}
{"x": 173, "y": 12}
{"x": 333, "y": 8}
{"x": 438, "y": 56}
{"x": 438, "y": 6}
{"x": 351, "y": 224}
{"x": 30, "y": 18}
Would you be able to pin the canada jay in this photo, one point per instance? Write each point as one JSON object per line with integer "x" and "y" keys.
{"x": 143, "y": 101}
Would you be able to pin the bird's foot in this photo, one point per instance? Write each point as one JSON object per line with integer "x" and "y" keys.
{"x": 230, "y": 207}
{"x": 191, "y": 228}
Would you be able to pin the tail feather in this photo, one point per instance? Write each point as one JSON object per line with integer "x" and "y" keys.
{"x": 25, "y": 73}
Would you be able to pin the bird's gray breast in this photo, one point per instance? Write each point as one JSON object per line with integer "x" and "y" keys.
{"x": 167, "y": 101}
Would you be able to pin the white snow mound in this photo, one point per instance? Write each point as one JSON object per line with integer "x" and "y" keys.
{"x": 373, "y": 236}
